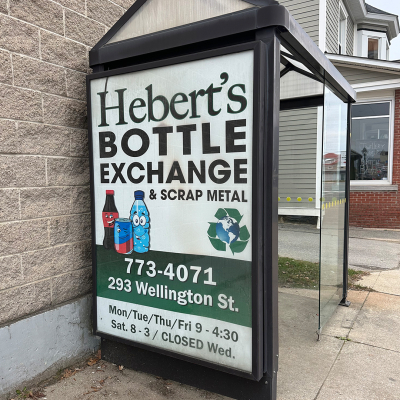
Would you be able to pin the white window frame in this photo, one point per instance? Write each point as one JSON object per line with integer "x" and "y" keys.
{"x": 362, "y": 43}
{"x": 342, "y": 31}
{"x": 379, "y": 39}
{"x": 387, "y": 50}
{"x": 391, "y": 101}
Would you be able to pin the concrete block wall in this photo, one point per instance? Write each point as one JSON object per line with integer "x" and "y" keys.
{"x": 45, "y": 256}
{"x": 380, "y": 209}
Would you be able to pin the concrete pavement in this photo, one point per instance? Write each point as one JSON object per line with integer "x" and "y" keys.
{"x": 357, "y": 358}
{"x": 370, "y": 249}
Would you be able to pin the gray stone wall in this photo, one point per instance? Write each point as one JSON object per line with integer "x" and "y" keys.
{"x": 35, "y": 348}
{"x": 45, "y": 256}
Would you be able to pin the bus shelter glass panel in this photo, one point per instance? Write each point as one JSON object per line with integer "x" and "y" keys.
{"x": 333, "y": 202}
{"x": 300, "y": 137}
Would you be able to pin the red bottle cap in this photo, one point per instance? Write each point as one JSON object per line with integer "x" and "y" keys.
{"x": 109, "y": 191}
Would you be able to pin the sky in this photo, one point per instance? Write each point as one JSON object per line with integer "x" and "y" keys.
{"x": 393, "y": 7}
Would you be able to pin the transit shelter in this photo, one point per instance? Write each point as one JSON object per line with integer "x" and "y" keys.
{"x": 205, "y": 119}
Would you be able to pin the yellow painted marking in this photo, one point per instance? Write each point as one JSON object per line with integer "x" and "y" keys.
{"x": 288, "y": 198}
{"x": 299, "y": 199}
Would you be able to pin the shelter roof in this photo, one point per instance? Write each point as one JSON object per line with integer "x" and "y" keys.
{"x": 141, "y": 35}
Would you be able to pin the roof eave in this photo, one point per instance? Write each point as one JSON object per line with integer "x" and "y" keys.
{"x": 390, "y": 21}
{"x": 359, "y": 14}
{"x": 351, "y": 61}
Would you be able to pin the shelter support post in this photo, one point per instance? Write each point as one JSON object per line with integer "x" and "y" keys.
{"x": 270, "y": 118}
{"x": 344, "y": 302}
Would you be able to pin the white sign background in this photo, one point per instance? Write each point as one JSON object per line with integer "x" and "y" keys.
{"x": 177, "y": 226}
{"x": 240, "y": 357}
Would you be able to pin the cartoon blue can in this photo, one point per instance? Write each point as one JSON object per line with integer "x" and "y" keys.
{"x": 123, "y": 236}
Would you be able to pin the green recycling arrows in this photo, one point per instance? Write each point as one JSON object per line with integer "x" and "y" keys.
{"x": 240, "y": 243}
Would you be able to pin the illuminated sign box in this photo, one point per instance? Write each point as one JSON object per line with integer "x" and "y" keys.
{"x": 175, "y": 266}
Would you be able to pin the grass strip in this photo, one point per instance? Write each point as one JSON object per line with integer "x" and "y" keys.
{"x": 305, "y": 274}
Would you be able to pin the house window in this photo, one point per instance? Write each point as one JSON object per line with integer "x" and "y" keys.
{"x": 370, "y": 142}
{"x": 342, "y": 30}
{"x": 373, "y": 48}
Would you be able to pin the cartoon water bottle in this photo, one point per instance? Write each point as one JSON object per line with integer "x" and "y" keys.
{"x": 140, "y": 223}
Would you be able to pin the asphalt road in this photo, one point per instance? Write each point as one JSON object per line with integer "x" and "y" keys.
{"x": 370, "y": 249}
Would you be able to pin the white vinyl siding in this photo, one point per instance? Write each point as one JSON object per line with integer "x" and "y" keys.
{"x": 297, "y": 157}
{"x": 306, "y": 13}
{"x": 332, "y": 29}
{"x": 332, "y": 26}
{"x": 357, "y": 75}
{"x": 350, "y": 37}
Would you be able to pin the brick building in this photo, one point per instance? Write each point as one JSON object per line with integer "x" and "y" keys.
{"x": 375, "y": 172}
{"x": 45, "y": 247}
{"x": 379, "y": 206}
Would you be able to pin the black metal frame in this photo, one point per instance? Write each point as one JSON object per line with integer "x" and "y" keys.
{"x": 264, "y": 264}
{"x": 302, "y": 102}
{"x": 344, "y": 302}
{"x": 270, "y": 104}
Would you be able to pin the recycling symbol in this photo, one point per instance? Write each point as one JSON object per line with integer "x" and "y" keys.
{"x": 227, "y": 231}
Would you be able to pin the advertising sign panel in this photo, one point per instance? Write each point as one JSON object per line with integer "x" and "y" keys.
{"x": 172, "y": 174}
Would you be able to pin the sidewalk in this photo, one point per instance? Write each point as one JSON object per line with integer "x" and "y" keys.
{"x": 357, "y": 358}
{"x": 104, "y": 380}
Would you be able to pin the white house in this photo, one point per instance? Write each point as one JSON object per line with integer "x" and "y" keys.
{"x": 357, "y": 39}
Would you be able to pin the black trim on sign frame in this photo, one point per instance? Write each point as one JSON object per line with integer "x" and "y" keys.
{"x": 257, "y": 207}
{"x": 206, "y": 45}
{"x": 257, "y": 211}
{"x": 92, "y": 206}
{"x": 269, "y": 106}
{"x": 302, "y": 102}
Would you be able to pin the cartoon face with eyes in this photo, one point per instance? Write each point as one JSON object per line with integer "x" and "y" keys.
{"x": 141, "y": 225}
{"x": 140, "y": 221}
{"x": 123, "y": 238}
{"x": 123, "y": 232}
{"x": 109, "y": 219}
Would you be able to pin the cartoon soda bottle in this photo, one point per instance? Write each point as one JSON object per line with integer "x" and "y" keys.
{"x": 110, "y": 213}
{"x": 140, "y": 223}
{"x": 123, "y": 236}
